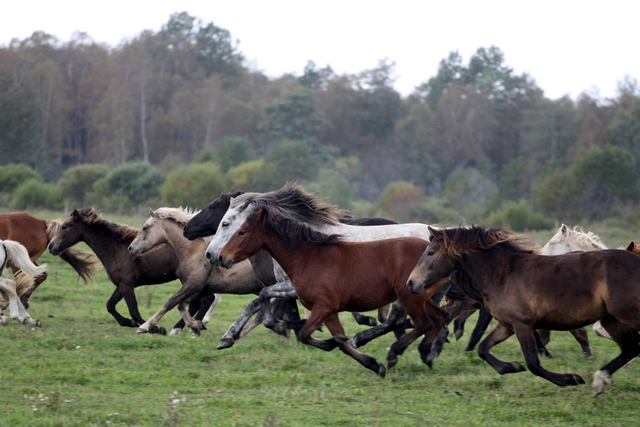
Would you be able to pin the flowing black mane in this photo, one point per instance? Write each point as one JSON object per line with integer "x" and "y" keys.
{"x": 295, "y": 202}
{"x": 291, "y": 231}
{"x": 120, "y": 232}
{"x": 464, "y": 240}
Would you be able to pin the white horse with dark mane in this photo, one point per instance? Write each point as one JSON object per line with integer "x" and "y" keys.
{"x": 14, "y": 254}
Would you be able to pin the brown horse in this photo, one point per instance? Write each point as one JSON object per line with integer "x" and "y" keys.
{"x": 331, "y": 275}
{"x": 35, "y": 234}
{"x": 524, "y": 291}
{"x": 110, "y": 243}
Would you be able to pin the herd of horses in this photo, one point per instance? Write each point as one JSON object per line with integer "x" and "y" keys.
{"x": 287, "y": 247}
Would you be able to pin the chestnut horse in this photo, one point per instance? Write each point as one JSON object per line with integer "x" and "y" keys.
{"x": 525, "y": 291}
{"x": 330, "y": 275}
{"x": 35, "y": 234}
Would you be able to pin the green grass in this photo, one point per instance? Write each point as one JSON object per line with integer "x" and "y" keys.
{"x": 82, "y": 369}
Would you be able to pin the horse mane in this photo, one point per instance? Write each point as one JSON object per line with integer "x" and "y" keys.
{"x": 295, "y": 202}
{"x": 464, "y": 240}
{"x": 292, "y": 231}
{"x": 180, "y": 215}
{"x": 461, "y": 282}
{"x": 120, "y": 232}
{"x": 587, "y": 240}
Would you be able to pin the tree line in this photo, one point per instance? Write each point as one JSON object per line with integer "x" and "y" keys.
{"x": 472, "y": 142}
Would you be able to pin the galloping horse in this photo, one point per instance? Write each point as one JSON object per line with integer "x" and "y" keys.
{"x": 564, "y": 241}
{"x": 330, "y": 275}
{"x": 14, "y": 253}
{"x": 110, "y": 241}
{"x": 294, "y": 201}
{"x": 199, "y": 279}
{"x": 206, "y": 223}
{"x": 35, "y": 234}
{"x": 525, "y": 291}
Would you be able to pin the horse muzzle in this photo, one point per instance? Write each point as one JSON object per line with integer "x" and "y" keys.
{"x": 53, "y": 250}
{"x": 136, "y": 252}
{"x": 414, "y": 287}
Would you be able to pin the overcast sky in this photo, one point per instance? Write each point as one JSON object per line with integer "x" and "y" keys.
{"x": 567, "y": 46}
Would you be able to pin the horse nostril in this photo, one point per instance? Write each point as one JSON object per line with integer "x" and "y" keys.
{"x": 208, "y": 255}
{"x": 410, "y": 284}
{"x": 220, "y": 259}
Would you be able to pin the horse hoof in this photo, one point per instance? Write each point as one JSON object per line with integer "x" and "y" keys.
{"x": 38, "y": 323}
{"x": 382, "y": 371}
{"x": 162, "y": 331}
{"x": 225, "y": 343}
{"x": 392, "y": 362}
{"x": 372, "y": 321}
{"x": 578, "y": 379}
{"x": 142, "y": 331}
{"x": 175, "y": 332}
{"x": 457, "y": 334}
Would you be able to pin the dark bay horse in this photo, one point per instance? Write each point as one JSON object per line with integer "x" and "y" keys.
{"x": 35, "y": 234}
{"x": 110, "y": 243}
{"x": 525, "y": 291}
{"x": 330, "y": 275}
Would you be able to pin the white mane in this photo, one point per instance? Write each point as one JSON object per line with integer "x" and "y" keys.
{"x": 180, "y": 215}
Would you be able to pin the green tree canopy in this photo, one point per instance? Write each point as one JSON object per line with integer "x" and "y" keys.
{"x": 193, "y": 185}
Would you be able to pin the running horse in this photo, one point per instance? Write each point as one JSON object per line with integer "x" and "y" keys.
{"x": 12, "y": 252}
{"x": 331, "y": 275}
{"x": 525, "y": 291}
{"x": 35, "y": 234}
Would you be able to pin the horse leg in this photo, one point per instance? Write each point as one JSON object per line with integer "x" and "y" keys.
{"x": 16, "y": 308}
{"x": 190, "y": 322}
{"x": 395, "y": 320}
{"x": 114, "y": 299}
{"x": 129, "y": 295}
{"x": 319, "y": 313}
{"x": 499, "y": 334}
{"x": 337, "y": 330}
{"x": 484, "y": 319}
{"x": 234, "y": 331}
{"x": 383, "y": 312}
{"x": 524, "y": 333}
{"x": 37, "y": 281}
{"x": 628, "y": 340}
{"x": 213, "y": 301}
{"x": 583, "y": 339}
{"x": 251, "y": 325}
{"x": 433, "y": 342}
{"x": 361, "y": 319}
{"x": 194, "y": 308}
{"x": 542, "y": 337}
{"x": 279, "y": 291}
{"x": 184, "y": 294}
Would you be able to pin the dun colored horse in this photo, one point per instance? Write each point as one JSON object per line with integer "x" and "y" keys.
{"x": 199, "y": 278}
{"x": 14, "y": 253}
{"x": 35, "y": 234}
{"x": 525, "y": 291}
{"x": 330, "y": 275}
{"x": 110, "y": 243}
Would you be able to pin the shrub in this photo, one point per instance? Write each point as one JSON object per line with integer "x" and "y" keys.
{"x": 36, "y": 194}
{"x": 518, "y": 216}
{"x": 13, "y": 175}
{"x": 137, "y": 182}
{"x": 79, "y": 180}
{"x": 230, "y": 151}
{"x": 193, "y": 185}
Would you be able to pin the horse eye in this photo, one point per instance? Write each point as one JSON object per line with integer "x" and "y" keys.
{"x": 241, "y": 233}
{"x": 64, "y": 227}
{"x": 430, "y": 253}
{"x": 225, "y": 224}
{"x": 144, "y": 228}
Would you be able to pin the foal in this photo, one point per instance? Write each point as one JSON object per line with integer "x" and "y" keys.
{"x": 330, "y": 275}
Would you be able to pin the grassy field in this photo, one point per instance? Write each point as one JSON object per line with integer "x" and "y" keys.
{"x": 82, "y": 369}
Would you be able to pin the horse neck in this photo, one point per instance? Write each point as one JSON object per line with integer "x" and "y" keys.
{"x": 484, "y": 269}
{"x": 104, "y": 245}
{"x": 180, "y": 244}
{"x": 287, "y": 256}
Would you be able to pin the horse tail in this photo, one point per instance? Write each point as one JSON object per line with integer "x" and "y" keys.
{"x": 82, "y": 262}
{"x": 24, "y": 283}
{"x": 18, "y": 256}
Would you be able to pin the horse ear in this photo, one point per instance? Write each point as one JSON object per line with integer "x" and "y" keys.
{"x": 564, "y": 229}
{"x": 631, "y": 246}
{"x": 75, "y": 214}
{"x": 259, "y": 214}
{"x": 436, "y": 234}
{"x": 152, "y": 213}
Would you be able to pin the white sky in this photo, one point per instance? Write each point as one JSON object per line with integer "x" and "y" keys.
{"x": 567, "y": 46}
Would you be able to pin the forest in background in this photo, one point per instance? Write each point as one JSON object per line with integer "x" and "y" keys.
{"x": 176, "y": 116}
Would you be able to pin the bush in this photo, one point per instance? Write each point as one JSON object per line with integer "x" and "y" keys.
{"x": 137, "y": 183}
{"x": 13, "y": 175}
{"x": 36, "y": 194}
{"x": 79, "y": 180}
{"x": 398, "y": 201}
{"x": 230, "y": 151}
{"x": 194, "y": 185}
{"x": 248, "y": 176}
{"x": 518, "y": 216}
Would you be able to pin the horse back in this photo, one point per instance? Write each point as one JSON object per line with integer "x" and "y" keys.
{"x": 30, "y": 231}
{"x": 154, "y": 267}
